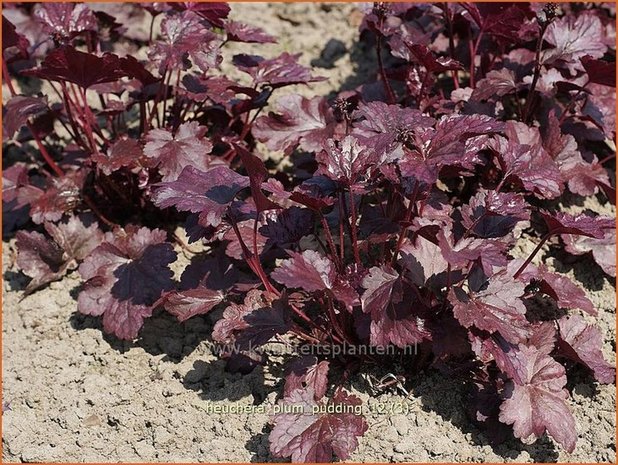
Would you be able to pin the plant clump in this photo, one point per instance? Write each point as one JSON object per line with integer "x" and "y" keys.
{"x": 390, "y": 220}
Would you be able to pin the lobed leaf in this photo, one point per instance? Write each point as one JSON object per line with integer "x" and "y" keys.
{"x": 208, "y": 193}
{"x": 280, "y": 71}
{"x": 581, "y": 225}
{"x": 539, "y": 402}
{"x": 298, "y": 122}
{"x": 307, "y": 373}
{"x": 497, "y": 308}
{"x": 173, "y": 152}
{"x": 66, "y": 64}
{"x": 185, "y": 35}
{"x": 65, "y": 20}
{"x": 315, "y": 437}
{"x": 602, "y": 250}
{"x": 124, "y": 277}
{"x": 240, "y": 32}
{"x": 582, "y": 343}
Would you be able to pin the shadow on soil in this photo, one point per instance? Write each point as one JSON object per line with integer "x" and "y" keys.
{"x": 447, "y": 396}
{"x": 258, "y": 445}
{"x": 161, "y": 334}
{"x": 439, "y": 393}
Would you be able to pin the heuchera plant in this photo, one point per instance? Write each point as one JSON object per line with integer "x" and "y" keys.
{"x": 391, "y": 218}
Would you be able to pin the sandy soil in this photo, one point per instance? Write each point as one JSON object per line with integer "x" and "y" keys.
{"x": 77, "y": 395}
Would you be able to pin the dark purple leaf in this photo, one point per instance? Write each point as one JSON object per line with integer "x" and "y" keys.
{"x": 124, "y": 277}
{"x": 173, "y": 152}
{"x": 501, "y": 204}
{"x": 257, "y": 175}
{"x": 241, "y": 32}
{"x": 600, "y": 108}
{"x": 75, "y": 238}
{"x": 207, "y": 193}
{"x": 298, "y": 122}
{"x": 61, "y": 196}
{"x": 11, "y": 38}
{"x": 39, "y": 258}
{"x": 309, "y": 271}
{"x": 233, "y": 319}
{"x": 214, "y": 271}
{"x": 460, "y": 255}
{"x": 66, "y": 64}
{"x": 65, "y": 20}
{"x": 13, "y": 178}
{"x": 397, "y": 325}
{"x": 289, "y": 226}
{"x": 18, "y": 110}
{"x": 502, "y": 20}
{"x": 432, "y": 64}
{"x": 14, "y": 209}
{"x": 497, "y": 308}
{"x": 46, "y": 260}
{"x": 213, "y": 12}
{"x": 573, "y": 37}
{"x": 346, "y": 161}
{"x": 313, "y": 272}
{"x": 281, "y": 71}
{"x": 492, "y": 214}
{"x": 582, "y": 224}
{"x": 530, "y": 165}
{"x": 313, "y": 436}
{"x": 538, "y": 402}
{"x": 600, "y": 72}
{"x": 264, "y": 323}
{"x": 455, "y": 141}
{"x": 559, "y": 287}
{"x": 497, "y": 82}
{"x": 379, "y": 285}
{"x": 307, "y": 373}
{"x": 583, "y": 178}
{"x": 315, "y": 193}
{"x": 603, "y": 250}
{"x": 215, "y": 88}
{"x": 387, "y": 128}
{"x": 393, "y": 320}
{"x": 542, "y": 338}
{"x": 583, "y": 344}
{"x": 423, "y": 260}
{"x": 191, "y": 302}
{"x": 124, "y": 152}
{"x": 136, "y": 70}
{"x": 234, "y": 248}
{"x": 184, "y": 34}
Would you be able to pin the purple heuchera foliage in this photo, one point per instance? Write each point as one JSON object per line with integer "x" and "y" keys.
{"x": 172, "y": 152}
{"x": 48, "y": 259}
{"x": 384, "y": 215}
{"x": 207, "y": 193}
{"x": 185, "y": 35}
{"x": 67, "y": 64}
{"x": 536, "y": 398}
{"x": 63, "y": 21}
{"x": 298, "y": 122}
{"x": 124, "y": 276}
{"x": 314, "y": 437}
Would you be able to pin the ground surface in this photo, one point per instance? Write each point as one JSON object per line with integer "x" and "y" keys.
{"x": 76, "y": 395}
